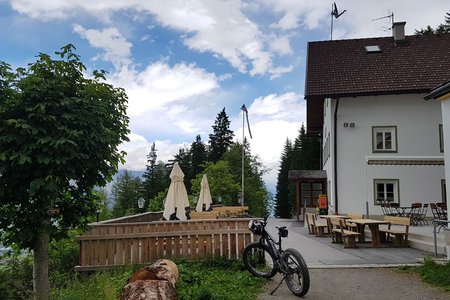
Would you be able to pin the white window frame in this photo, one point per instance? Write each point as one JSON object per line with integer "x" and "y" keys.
{"x": 383, "y": 130}
{"x": 396, "y": 194}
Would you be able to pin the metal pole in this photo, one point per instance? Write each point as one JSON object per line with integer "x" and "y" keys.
{"x": 243, "y": 156}
{"x": 365, "y": 186}
{"x": 331, "y": 35}
{"x": 435, "y": 238}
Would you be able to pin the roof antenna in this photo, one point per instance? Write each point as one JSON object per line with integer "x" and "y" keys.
{"x": 390, "y": 17}
{"x": 335, "y": 13}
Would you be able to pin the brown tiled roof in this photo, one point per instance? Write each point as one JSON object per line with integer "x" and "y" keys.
{"x": 344, "y": 68}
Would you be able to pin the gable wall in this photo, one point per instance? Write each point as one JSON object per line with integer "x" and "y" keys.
{"x": 417, "y": 124}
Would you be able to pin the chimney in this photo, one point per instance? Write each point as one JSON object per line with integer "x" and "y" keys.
{"x": 398, "y": 31}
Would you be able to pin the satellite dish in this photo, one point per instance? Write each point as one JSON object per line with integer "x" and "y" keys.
{"x": 335, "y": 14}
{"x": 335, "y": 11}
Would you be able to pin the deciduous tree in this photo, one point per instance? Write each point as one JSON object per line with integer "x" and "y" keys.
{"x": 221, "y": 182}
{"x": 59, "y": 138}
{"x": 255, "y": 193}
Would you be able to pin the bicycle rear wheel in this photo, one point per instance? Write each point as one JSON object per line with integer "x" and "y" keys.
{"x": 259, "y": 261}
{"x": 297, "y": 277}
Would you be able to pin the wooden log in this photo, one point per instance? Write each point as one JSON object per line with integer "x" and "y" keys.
{"x": 157, "y": 281}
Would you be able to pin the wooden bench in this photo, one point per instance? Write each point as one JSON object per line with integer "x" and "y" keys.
{"x": 350, "y": 226}
{"x": 204, "y": 215}
{"x": 315, "y": 226}
{"x": 399, "y": 234}
{"x": 309, "y": 222}
{"x": 339, "y": 234}
{"x": 319, "y": 226}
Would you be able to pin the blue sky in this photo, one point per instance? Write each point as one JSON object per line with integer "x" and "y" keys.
{"x": 182, "y": 61}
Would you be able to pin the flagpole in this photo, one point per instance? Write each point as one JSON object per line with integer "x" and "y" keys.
{"x": 243, "y": 155}
{"x": 332, "y": 15}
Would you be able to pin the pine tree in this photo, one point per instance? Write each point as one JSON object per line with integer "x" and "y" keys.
{"x": 442, "y": 28}
{"x": 198, "y": 156}
{"x": 304, "y": 154}
{"x": 221, "y": 138}
{"x": 283, "y": 206}
{"x": 148, "y": 185}
{"x": 126, "y": 192}
{"x": 298, "y": 150}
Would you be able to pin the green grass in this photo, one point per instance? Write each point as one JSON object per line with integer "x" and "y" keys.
{"x": 222, "y": 279}
{"x": 435, "y": 274}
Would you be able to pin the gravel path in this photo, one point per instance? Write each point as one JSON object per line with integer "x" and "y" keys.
{"x": 359, "y": 283}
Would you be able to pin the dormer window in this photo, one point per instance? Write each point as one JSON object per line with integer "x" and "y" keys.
{"x": 373, "y": 49}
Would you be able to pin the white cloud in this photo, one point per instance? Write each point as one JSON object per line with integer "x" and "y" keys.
{"x": 295, "y": 13}
{"x": 160, "y": 85}
{"x": 288, "y": 106}
{"x": 117, "y": 49}
{"x": 209, "y": 26}
{"x": 278, "y": 71}
{"x": 273, "y": 119}
{"x": 138, "y": 148}
{"x": 281, "y": 45}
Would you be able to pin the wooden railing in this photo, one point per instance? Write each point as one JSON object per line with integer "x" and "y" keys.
{"x": 117, "y": 244}
{"x": 144, "y": 217}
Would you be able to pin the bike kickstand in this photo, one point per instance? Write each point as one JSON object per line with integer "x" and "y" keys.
{"x": 272, "y": 292}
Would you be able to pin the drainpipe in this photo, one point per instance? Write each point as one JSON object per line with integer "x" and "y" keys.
{"x": 336, "y": 207}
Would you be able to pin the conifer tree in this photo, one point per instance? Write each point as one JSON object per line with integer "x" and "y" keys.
{"x": 283, "y": 206}
{"x": 221, "y": 138}
{"x": 304, "y": 154}
{"x": 126, "y": 192}
{"x": 198, "y": 156}
{"x": 442, "y": 28}
{"x": 148, "y": 185}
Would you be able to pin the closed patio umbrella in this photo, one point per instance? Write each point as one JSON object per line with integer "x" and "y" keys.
{"x": 205, "y": 195}
{"x": 177, "y": 197}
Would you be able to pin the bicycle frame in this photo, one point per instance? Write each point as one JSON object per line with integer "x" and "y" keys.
{"x": 267, "y": 239}
{"x": 289, "y": 262}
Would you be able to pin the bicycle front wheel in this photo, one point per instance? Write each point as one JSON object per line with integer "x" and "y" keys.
{"x": 259, "y": 260}
{"x": 297, "y": 277}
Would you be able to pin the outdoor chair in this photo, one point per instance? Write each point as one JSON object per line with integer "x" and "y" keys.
{"x": 442, "y": 205}
{"x": 423, "y": 214}
{"x": 384, "y": 209}
{"x": 439, "y": 214}
{"x": 394, "y": 209}
{"x": 414, "y": 214}
{"x": 388, "y": 210}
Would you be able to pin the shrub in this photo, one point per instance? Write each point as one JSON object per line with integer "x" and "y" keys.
{"x": 16, "y": 276}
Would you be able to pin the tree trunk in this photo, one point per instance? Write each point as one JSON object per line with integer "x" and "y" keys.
{"x": 41, "y": 285}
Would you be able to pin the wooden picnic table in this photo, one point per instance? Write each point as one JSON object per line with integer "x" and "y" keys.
{"x": 374, "y": 229}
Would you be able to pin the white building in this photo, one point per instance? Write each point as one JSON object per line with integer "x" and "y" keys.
{"x": 381, "y": 139}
